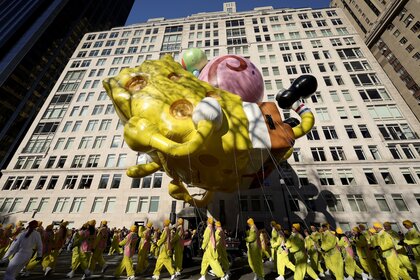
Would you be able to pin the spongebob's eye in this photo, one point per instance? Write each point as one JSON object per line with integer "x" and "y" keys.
{"x": 181, "y": 109}
{"x": 174, "y": 77}
{"x": 136, "y": 83}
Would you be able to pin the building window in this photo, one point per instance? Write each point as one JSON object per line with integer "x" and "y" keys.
{"x": 62, "y": 205}
{"x": 346, "y": 177}
{"x": 334, "y": 203}
{"x": 313, "y": 134}
{"x": 70, "y": 182}
{"x": 337, "y": 153}
{"x": 399, "y": 202}
{"x": 116, "y": 180}
{"x": 52, "y": 183}
{"x": 396, "y": 132}
{"x": 409, "y": 178}
{"x": 359, "y": 152}
{"x": 85, "y": 182}
{"x": 386, "y": 175}
{"x": 382, "y": 203}
{"x": 154, "y": 204}
{"x": 318, "y": 154}
{"x": 322, "y": 114}
{"x": 103, "y": 183}
{"x": 325, "y": 177}
{"x": 98, "y": 205}
{"x": 375, "y": 152}
{"x": 329, "y": 132}
{"x": 408, "y": 152}
{"x": 77, "y": 205}
{"x": 357, "y": 204}
{"x": 110, "y": 204}
{"x": 370, "y": 176}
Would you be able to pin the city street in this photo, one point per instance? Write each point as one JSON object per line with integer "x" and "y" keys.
{"x": 240, "y": 270}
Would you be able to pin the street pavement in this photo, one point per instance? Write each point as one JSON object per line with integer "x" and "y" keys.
{"x": 239, "y": 271}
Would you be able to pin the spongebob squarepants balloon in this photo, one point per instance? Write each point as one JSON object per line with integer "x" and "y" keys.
{"x": 199, "y": 134}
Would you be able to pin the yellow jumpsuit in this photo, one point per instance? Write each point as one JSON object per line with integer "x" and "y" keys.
{"x": 129, "y": 243}
{"x": 254, "y": 252}
{"x": 210, "y": 256}
{"x": 75, "y": 254}
{"x": 116, "y": 238}
{"x": 405, "y": 263}
{"x": 265, "y": 245}
{"x": 273, "y": 241}
{"x": 366, "y": 256}
{"x": 221, "y": 249}
{"x": 5, "y": 240}
{"x": 144, "y": 248}
{"x": 48, "y": 247}
{"x": 311, "y": 246}
{"x": 296, "y": 246}
{"x": 412, "y": 238}
{"x": 178, "y": 242}
{"x": 350, "y": 265}
{"x": 153, "y": 248}
{"x": 389, "y": 254}
{"x": 99, "y": 246}
{"x": 86, "y": 246}
{"x": 165, "y": 252}
{"x": 332, "y": 256}
{"x": 282, "y": 255}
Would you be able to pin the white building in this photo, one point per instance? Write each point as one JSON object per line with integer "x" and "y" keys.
{"x": 360, "y": 163}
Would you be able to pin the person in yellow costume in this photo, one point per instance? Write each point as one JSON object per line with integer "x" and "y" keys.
{"x": 48, "y": 249}
{"x": 129, "y": 243}
{"x": 60, "y": 237}
{"x": 18, "y": 229}
{"x": 144, "y": 249}
{"x": 210, "y": 256}
{"x": 332, "y": 256}
{"x": 5, "y": 239}
{"x": 273, "y": 240}
{"x": 412, "y": 238}
{"x": 296, "y": 246}
{"x": 265, "y": 244}
{"x": 405, "y": 263}
{"x": 87, "y": 238}
{"x": 165, "y": 252}
{"x": 178, "y": 243}
{"x": 282, "y": 254}
{"x": 311, "y": 245}
{"x": 383, "y": 241}
{"x": 154, "y": 249}
{"x": 365, "y": 255}
{"x": 75, "y": 250}
{"x": 116, "y": 239}
{"x": 221, "y": 248}
{"x": 99, "y": 245}
{"x": 350, "y": 266}
{"x": 254, "y": 250}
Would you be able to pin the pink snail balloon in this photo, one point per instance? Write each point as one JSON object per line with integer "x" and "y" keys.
{"x": 235, "y": 74}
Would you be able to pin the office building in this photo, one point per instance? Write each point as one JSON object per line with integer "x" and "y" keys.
{"x": 391, "y": 30}
{"x": 359, "y": 164}
{"x": 37, "y": 38}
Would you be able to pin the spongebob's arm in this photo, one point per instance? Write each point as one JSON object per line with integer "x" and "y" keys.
{"x": 143, "y": 170}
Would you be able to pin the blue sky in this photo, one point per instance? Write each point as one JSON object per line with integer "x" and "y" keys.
{"x": 145, "y": 9}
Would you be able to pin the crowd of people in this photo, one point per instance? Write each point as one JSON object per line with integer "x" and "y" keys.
{"x": 374, "y": 253}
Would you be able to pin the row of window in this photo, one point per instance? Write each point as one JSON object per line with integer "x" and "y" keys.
{"x": 355, "y": 201}
{"x": 328, "y": 177}
{"x": 85, "y": 182}
{"x": 145, "y": 204}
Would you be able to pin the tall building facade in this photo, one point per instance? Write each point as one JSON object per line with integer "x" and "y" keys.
{"x": 359, "y": 164}
{"x": 391, "y": 30}
{"x": 37, "y": 38}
